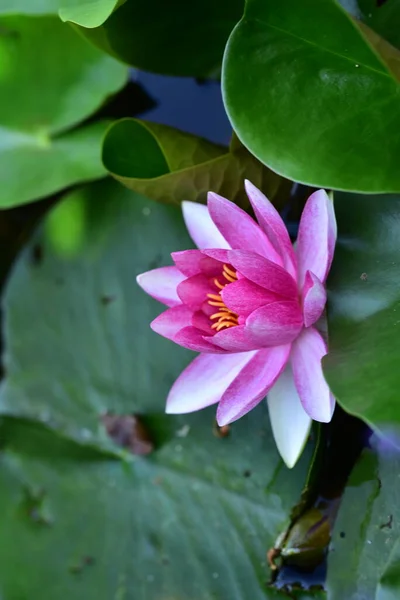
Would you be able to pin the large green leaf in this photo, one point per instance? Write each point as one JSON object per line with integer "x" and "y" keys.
{"x": 175, "y": 37}
{"x": 315, "y": 106}
{"x": 31, "y": 168}
{"x": 194, "y": 518}
{"x": 29, "y": 7}
{"x": 88, "y": 13}
{"x": 364, "y": 309}
{"x": 364, "y": 558}
{"x": 42, "y": 103}
{"x": 170, "y": 166}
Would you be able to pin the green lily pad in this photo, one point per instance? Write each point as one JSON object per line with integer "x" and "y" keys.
{"x": 191, "y": 520}
{"x": 174, "y": 38}
{"x": 87, "y": 13}
{"x": 41, "y": 151}
{"x": 364, "y": 310}
{"x": 95, "y": 520}
{"x": 364, "y": 558}
{"x": 29, "y": 7}
{"x": 169, "y": 165}
{"x": 317, "y": 107}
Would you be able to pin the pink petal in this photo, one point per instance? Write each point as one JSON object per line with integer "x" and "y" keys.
{"x": 315, "y": 396}
{"x": 263, "y": 272}
{"x": 203, "y": 322}
{"x": 193, "y": 339}
{"x": 275, "y": 324}
{"x": 289, "y": 422}
{"x": 193, "y": 262}
{"x": 204, "y": 381}
{"x": 252, "y": 384}
{"x": 171, "y": 321}
{"x": 316, "y": 238}
{"x": 193, "y": 291}
{"x": 332, "y": 233}
{"x": 221, "y": 255}
{"x": 201, "y": 228}
{"x": 271, "y": 223}
{"x": 161, "y": 284}
{"x": 239, "y": 229}
{"x": 235, "y": 339}
{"x": 244, "y": 296}
{"x": 314, "y": 299}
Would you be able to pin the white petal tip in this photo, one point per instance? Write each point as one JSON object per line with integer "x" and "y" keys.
{"x": 187, "y": 204}
{"x": 172, "y": 410}
{"x": 212, "y": 196}
{"x": 250, "y": 187}
{"x": 222, "y": 421}
{"x": 290, "y": 454}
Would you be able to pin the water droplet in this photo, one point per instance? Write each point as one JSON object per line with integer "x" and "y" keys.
{"x": 146, "y": 211}
{"x": 150, "y": 578}
{"x": 215, "y": 575}
{"x": 357, "y": 65}
{"x": 178, "y": 448}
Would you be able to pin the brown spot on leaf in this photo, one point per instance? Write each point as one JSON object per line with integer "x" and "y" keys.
{"x": 107, "y": 299}
{"x": 34, "y": 506}
{"x": 388, "y": 524}
{"x": 128, "y": 432}
{"x": 86, "y": 561}
{"x": 37, "y": 255}
{"x": 272, "y": 555}
{"x": 221, "y": 432}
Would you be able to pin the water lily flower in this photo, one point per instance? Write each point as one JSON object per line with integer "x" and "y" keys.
{"x": 248, "y": 302}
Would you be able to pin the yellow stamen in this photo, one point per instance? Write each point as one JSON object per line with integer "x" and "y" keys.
{"x": 226, "y": 314}
{"x": 223, "y": 324}
{"x": 218, "y": 284}
{"x": 225, "y": 317}
{"x": 229, "y": 274}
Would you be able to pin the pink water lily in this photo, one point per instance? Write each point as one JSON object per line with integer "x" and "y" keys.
{"x": 248, "y": 302}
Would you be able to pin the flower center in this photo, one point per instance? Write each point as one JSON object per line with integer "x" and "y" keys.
{"x": 223, "y": 317}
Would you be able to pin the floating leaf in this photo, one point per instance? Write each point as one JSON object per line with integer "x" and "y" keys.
{"x": 364, "y": 309}
{"x": 88, "y": 13}
{"x": 315, "y": 106}
{"x": 29, "y": 7}
{"x": 41, "y": 151}
{"x": 170, "y": 166}
{"x": 174, "y": 38}
{"x": 363, "y": 562}
{"x": 81, "y": 525}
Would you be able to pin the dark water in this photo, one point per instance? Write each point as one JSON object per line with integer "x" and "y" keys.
{"x": 187, "y": 104}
